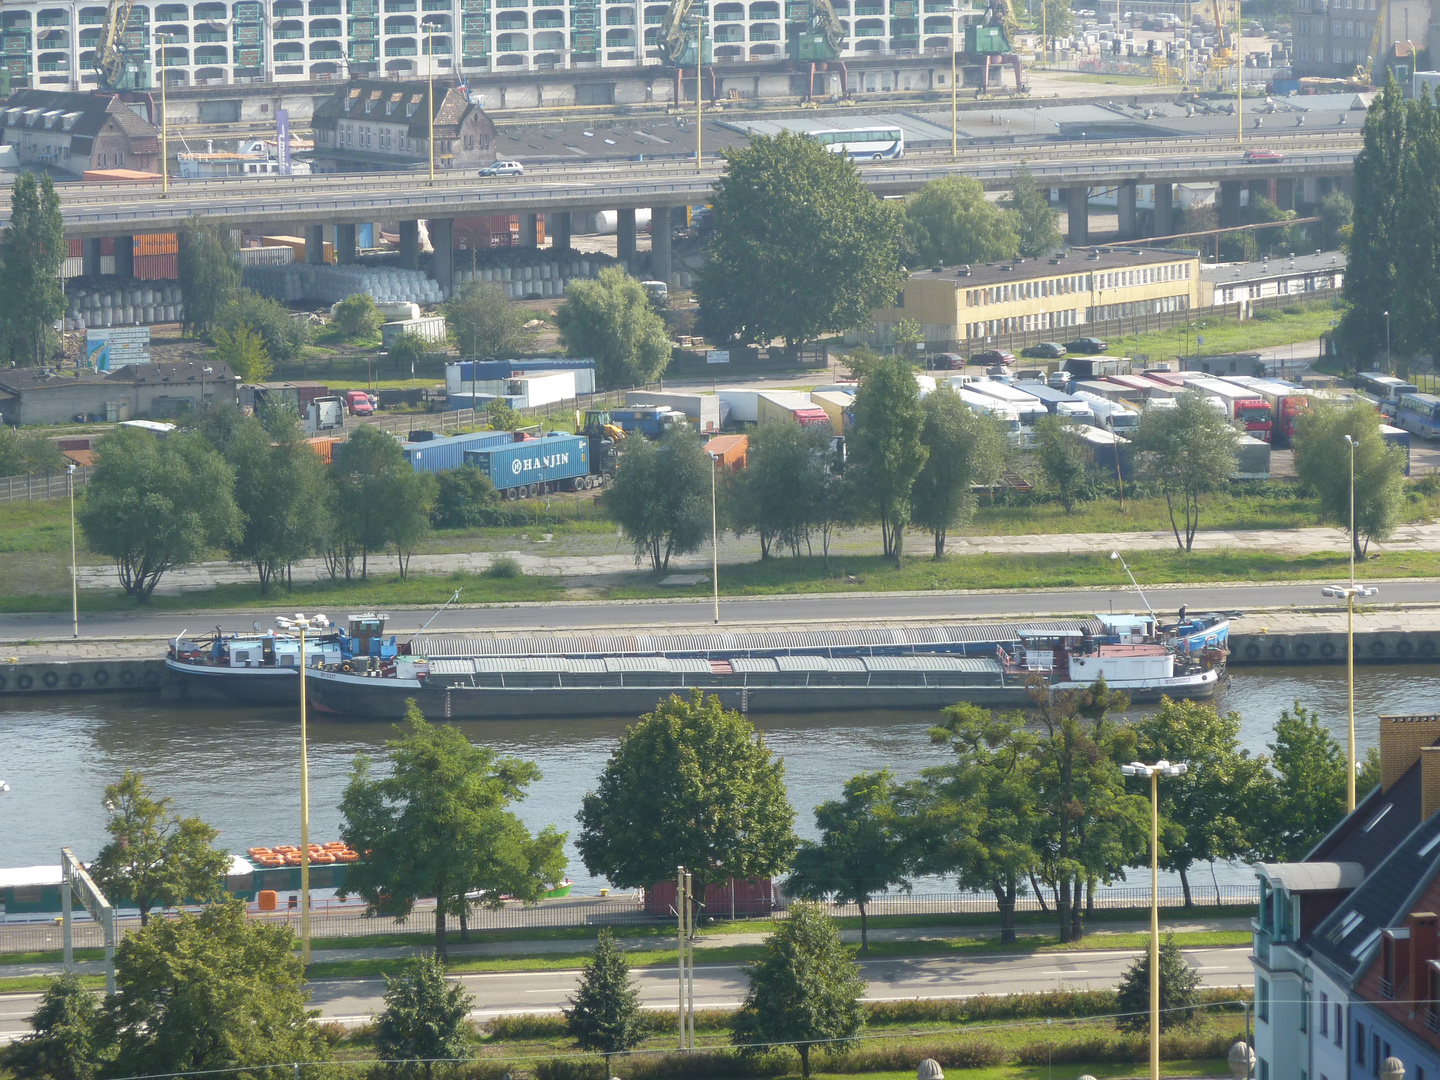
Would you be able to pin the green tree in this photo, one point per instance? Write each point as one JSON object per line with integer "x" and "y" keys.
{"x": 357, "y": 318}
{"x": 1179, "y": 990}
{"x": 604, "y": 1014}
{"x": 33, "y": 248}
{"x": 152, "y": 506}
{"x": 1269, "y": 241}
{"x": 283, "y": 336}
{"x": 661, "y": 496}
{"x": 28, "y": 452}
{"x": 464, "y": 499}
{"x": 963, "y": 448}
{"x": 244, "y": 351}
{"x": 1186, "y": 451}
{"x": 691, "y": 784}
{"x": 67, "y": 1038}
{"x": 481, "y": 321}
{"x": 610, "y": 318}
{"x": 213, "y": 992}
{"x": 776, "y": 494}
{"x": 1213, "y": 812}
{"x": 886, "y": 447}
{"x": 410, "y": 500}
{"x": 1307, "y": 794}
{"x": 209, "y": 273}
{"x": 280, "y": 493}
{"x": 408, "y": 349}
{"x": 440, "y": 825}
{"x": 1062, "y": 457}
{"x": 779, "y": 267}
{"x": 950, "y": 221}
{"x": 1322, "y": 461}
{"x": 1337, "y": 213}
{"x": 864, "y": 847}
{"x": 805, "y": 990}
{"x": 499, "y": 416}
{"x": 366, "y": 466}
{"x": 426, "y": 1018}
{"x": 1034, "y": 218}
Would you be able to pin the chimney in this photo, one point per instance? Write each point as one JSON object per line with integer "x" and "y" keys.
{"x": 1423, "y": 949}
{"x": 1429, "y": 781}
{"x": 1401, "y": 739}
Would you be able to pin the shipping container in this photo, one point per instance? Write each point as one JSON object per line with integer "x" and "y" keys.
{"x": 556, "y": 461}
{"x": 1102, "y": 448}
{"x": 777, "y": 405}
{"x": 743, "y": 403}
{"x": 278, "y": 255}
{"x": 729, "y": 451}
{"x": 837, "y": 407}
{"x": 650, "y": 420}
{"x": 429, "y": 327}
{"x": 325, "y": 447}
{"x": 155, "y": 244}
{"x": 483, "y": 233}
{"x": 297, "y": 245}
{"x": 702, "y": 409}
{"x": 460, "y": 376}
{"x": 157, "y": 267}
{"x": 1252, "y": 459}
{"x": 441, "y": 455}
{"x": 1393, "y": 435}
{"x": 743, "y": 896}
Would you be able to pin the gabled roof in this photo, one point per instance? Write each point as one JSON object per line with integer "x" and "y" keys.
{"x": 82, "y": 116}
{"x": 1313, "y": 876}
{"x": 392, "y": 101}
{"x": 185, "y": 371}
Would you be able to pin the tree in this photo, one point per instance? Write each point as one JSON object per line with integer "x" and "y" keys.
{"x": 366, "y": 465}
{"x": 1322, "y": 461}
{"x": 1269, "y": 241}
{"x": 1213, "y": 812}
{"x": 280, "y": 493}
{"x": 776, "y": 494}
{"x": 283, "y": 336}
{"x": 950, "y": 221}
{"x": 209, "y": 273}
{"x": 440, "y": 825}
{"x": 1307, "y": 795}
{"x": 480, "y": 321}
{"x": 1179, "y": 990}
{"x": 67, "y": 1039}
{"x": 1029, "y": 204}
{"x": 963, "y": 448}
{"x": 1062, "y": 457}
{"x": 465, "y": 499}
{"x": 610, "y": 318}
{"x": 34, "y": 250}
{"x": 357, "y": 317}
{"x": 1186, "y": 451}
{"x": 408, "y": 349}
{"x": 604, "y": 1014}
{"x": 244, "y": 351}
{"x": 425, "y": 1017}
{"x": 409, "y": 498}
{"x": 213, "y": 992}
{"x": 661, "y": 496}
{"x": 801, "y": 247}
{"x": 28, "y": 452}
{"x": 1336, "y": 214}
{"x": 864, "y": 848}
{"x": 805, "y": 990}
{"x": 694, "y": 785}
{"x": 499, "y": 416}
{"x": 152, "y": 506}
{"x": 886, "y": 446}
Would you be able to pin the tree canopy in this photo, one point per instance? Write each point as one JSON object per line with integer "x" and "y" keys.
{"x": 886, "y": 447}
{"x": 777, "y": 494}
{"x": 33, "y": 250}
{"x": 426, "y": 1017}
{"x": 604, "y": 1013}
{"x": 1322, "y": 461}
{"x": 1179, "y": 990}
{"x": 67, "y": 1038}
{"x": 963, "y": 448}
{"x": 610, "y": 318}
{"x": 661, "y": 495}
{"x": 1035, "y": 219}
{"x": 28, "y": 452}
{"x": 1307, "y": 794}
{"x": 1062, "y": 457}
{"x": 357, "y": 317}
{"x": 379, "y": 500}
{"x": 1186, "y": 451}
{"x": 244, "y": 351}
{"x": 950, "y": 221}
{"x": 282, "y": 335}
{"x": 209, "y": 274}
{"x": 481, "y": 321}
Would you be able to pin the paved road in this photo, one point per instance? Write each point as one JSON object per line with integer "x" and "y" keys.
{"x": 354, "y": 1001}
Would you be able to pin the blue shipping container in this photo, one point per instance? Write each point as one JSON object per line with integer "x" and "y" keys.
{"x": 551, "y": 460}
{"x": 439, "y": 455}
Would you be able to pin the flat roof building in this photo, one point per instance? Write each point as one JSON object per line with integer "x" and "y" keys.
{"x": 1233, "y": 283}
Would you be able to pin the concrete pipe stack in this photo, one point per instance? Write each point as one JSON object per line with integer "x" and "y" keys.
{"x": 331, "y": 284}
{"x": 134, "y": 303}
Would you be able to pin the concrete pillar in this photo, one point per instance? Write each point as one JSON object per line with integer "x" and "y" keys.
{"x": 442, "y": 238}
{"x": 1079, "y": 214}
{"x": 529, "y": 230}
{"x": 625, "y": 235}
{"x": 660, "y": 243}
{"x": 1125, "y": 198}
{"x": 1285, "y": 193}
{"x": 90, "y": 256}
{"x": 344, "y": 244}
{"x": 1263, "y": 188}
{"x": 557, "y": 227}
{"x": 1230, "y": 203}
{"x": 124, "y": 256}
{"x": 314, "y": 244}
{"x": 410, "y": 245}
{"x": 1164, "y": 210}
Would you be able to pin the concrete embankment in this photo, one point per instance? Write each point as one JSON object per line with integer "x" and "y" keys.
{"x": 1319, "y": 637}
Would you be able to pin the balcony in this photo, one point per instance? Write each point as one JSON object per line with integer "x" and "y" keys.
{"x": 870, "y": 31}
{"x": 283, "y": 35}
{"x": 59, "y": 65}
{"x": 762, "y": 33}
{"x": 1261, "y": 945}
{"x": 52, "y": 20}
{"x": 325, "y": 52}
{"x": 202, "y": 36}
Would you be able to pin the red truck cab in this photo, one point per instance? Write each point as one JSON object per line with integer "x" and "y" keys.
{"x": 1255, "y": 418}
{"x": 359, "y": 403}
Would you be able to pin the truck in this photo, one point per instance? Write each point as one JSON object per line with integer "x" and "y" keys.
{"x": 1028, "y": 408}
{"x": 1395, "y": 436}
{"x": 1110, "y": 415}
{"x": 1141, "y": 388}
{"x": 989, "y": 406}
{"x": 650, "y": 420}
{"x": 1286, "y": 404}
{"x": 1242, "y": 405}
{"x": 1096, "y": 367}
{"x": 702, "y": 409}
{"x": 1252, "y": 459}
{"x": 1060, "y": 403}
{"x": 440, "y": 455}
{"x": 774, "y": 406}
{"x": 358, "y": 403}
{"x": 556, "y": 462}
{"x": 324, "y": 414}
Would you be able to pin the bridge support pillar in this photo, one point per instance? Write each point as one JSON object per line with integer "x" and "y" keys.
{"x": 660, "y": 243}
{"x": 1078, "y": 202}
{"x": 1285, "y": 193}
{"x": 1229, "y": 210}
{"x": 410, "y": 245}
{"x": 344, "y": 244}
{"x": 90, "y": 256}
{"x": 625, "y": 235}
{"x": 529, "y": 230}
{"x": 314, "y": 244}
{"x": 442, "y": 238}
{"x": 1125, "y": 200}
{"x": 124, "y": 256}
{"x": 1164, "y": 222}
{"x": 1265, "y": 188}
{"x": 557, "y": 227}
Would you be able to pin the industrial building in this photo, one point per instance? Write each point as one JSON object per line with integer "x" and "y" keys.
{"x": 131, "y": 392}
{"x": 1235, "y": 283}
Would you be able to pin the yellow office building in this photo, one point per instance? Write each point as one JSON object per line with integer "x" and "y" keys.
{"x": 967, "y": 304}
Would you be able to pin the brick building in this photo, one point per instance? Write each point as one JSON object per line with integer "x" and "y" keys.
{"x": 76, "y": 132}
{"x": 373, "y": 124}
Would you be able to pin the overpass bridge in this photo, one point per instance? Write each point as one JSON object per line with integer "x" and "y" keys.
{"x": 96, "y": 210}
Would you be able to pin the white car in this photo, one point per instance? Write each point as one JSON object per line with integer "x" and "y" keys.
{"x": 503, "y": 168}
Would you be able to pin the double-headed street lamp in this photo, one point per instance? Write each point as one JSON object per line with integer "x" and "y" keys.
{"x": 302, "y": 623}
{"x": 1154, "y": 772}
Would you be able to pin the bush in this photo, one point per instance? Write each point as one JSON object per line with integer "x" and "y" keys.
{"x": 284, "y": 336}
{"x": 358, "y": 317}
{"x": 547, "y": 1026}
{"x": 505, "y": 567}
{"x": 1125, "y": 1049}
{"x": 465, "y": 499}
{"x": 704, "y": 1064}
{"x": 903, "y": 1056}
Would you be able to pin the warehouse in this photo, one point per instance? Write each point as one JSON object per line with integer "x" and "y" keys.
{"x": 1236, "y": 283}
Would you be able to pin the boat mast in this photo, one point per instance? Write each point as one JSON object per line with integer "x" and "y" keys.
{"x": 432, "y": 618}
{"x": 1155, "y": 618}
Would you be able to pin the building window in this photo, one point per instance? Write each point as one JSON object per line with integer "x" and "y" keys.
{"x": 1359, "y": 1043}
{"x": 1264, "y": 1072}
{"x": 1324, "y": 1016}
{"x": 1262, "y": 1000}
{"x": 1339, "y": 1025}
{"x": 1375, "y": 1056}
{"x": 1304, "y": 1012}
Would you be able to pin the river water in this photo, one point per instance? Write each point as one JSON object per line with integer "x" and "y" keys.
{"x": 239, "y": 768}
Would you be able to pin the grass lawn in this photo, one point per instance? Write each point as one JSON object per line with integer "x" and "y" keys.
{"x": 1231, "y": 335}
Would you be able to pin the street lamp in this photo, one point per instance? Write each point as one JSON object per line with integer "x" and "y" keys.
{"x": 714, "y": 538}
{"x": 164, "y": 39}
{"x": 954, "y": 89}
{"x": 1154, "y": 772}
{"x": 1387, "y": 344}
{"x": 699, "y": 92}
{"x": 74, "y": 580}
{"x": 1349, "y": 592}
{"x": 430, "y": 76}
{"x": 302, "y": 623}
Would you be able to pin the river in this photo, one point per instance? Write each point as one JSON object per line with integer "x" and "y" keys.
{"x": 239, "y": 768}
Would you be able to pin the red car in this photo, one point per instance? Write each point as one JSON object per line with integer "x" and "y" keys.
{"x": 1263, "y": 157}
{"x": 359, "y": 403}
{"x": 992, "y": 357}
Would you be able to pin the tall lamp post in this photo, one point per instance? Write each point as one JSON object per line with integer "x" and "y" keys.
{"x": 430, "y": 90}
{"x": 303, "y": 623}
{"x": 1349, "y": 592}
{"x": 699, "y": 90}
{"x": 1154, "y": 772}
{"x": 954, "y": 87}
{"x": 714, "y": 537}
{"x": 164, "y": 39}
{"x": 74, "y": 580}
{"x": 1387, "y": 343}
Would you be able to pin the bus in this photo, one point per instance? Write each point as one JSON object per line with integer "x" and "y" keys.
{"x": 1385, "y": 389}
{"x": 863, "y": 144}
{"x": 1420, "y": 415}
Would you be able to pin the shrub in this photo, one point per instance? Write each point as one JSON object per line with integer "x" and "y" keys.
{"x": 284, "y": 336}
{"x": 1124, "y": 1049}
{"x": 902, "y": 1056}
{"x": 358, "y": 317}
{"x": 504, "y": 566}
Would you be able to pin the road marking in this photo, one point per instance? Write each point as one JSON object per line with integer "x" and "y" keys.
{"x": 1067, "y": 971}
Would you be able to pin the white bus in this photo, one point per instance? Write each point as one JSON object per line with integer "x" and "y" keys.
{"x": 863, "y": 144}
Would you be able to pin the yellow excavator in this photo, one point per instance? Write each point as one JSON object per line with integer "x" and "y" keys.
{"x": 111, "y": 60}
{"x": 1377, "y": 58}
{"x": 1223, "y": 38}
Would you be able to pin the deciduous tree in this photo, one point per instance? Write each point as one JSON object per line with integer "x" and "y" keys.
{"x": 464, "y": 499}
{"x": 1062, "y": 457}
{"x": 1322, "y": 461}
{"x": 280, "y": 493}
{"x": 28, "y": 452}
{"x": 481, "y": 321}
{"x": 776, "y": 495}
{"x": 1029, "y": 203}
{"x": 283, "y": 336}
{"x": 410, "y": 498}
{"x": 1186, "y": 451}
{"x": 604, "y": 1013}
{"x": 33, "y": 248}
{"x": 1307, "y": 795}
{"x": 209, "y": 274}
{"x": 244, "y": 351}
{"x": 365, "y": 468}
{"x": 357, "y": 318}
{"x": 886, "y": 446}
{"x": 67, "y": 1040}
{"x": 661, "y": 497}
{"x": 1179, "y": 990}
{"x": 610, "y": 318}
{"x": 426, "y": 1017}
{"x": 963, "y": 448}
{"x": 950, "y": 221}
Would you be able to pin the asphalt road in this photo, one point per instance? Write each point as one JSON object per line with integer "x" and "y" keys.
{"x": 354, "y": 1001}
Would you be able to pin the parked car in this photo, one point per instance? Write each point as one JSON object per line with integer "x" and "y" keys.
{"x": 1087, "y": 345}
{"x": 1263, "y": 157}
{"x": 992, "y": 357}
{"x": 503, "y": 168}
{"x": 359, "y": 403}
{"x": 1046, "y": 350}
{"x": 947, "y": 361}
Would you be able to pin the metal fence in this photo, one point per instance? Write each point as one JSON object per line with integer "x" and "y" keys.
{"x": 350, "y": 919}
{"x": 40, "y": 485}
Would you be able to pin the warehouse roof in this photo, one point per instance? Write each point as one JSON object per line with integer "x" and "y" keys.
{"x": 1099, "y": 260}
{"x": 1271, "y": 269}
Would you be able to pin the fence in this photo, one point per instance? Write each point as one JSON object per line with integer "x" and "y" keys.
{"x": 40, "y": 485}
{"x": 350, "y": 919}
{"x": 449, "y": 423}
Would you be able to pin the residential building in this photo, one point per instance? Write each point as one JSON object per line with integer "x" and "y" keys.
{"x": 374, "y": 124}
{"x": 1233, "y": 283}
{"x": 151, "y": 391}
{"x": 967, "y": 304}
{"x": 75, "y": 132}
{"x": 1335, "y": 37}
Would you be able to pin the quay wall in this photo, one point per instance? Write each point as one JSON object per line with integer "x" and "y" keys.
{"x": 80, "y": 676}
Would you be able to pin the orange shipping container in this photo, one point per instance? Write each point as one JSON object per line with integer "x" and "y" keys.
{"x": 729, "y": 450}
{"x": 325, "y": 448}
{"x": 156, "y": 244}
